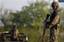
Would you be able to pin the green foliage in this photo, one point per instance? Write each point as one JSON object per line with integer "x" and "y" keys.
{"x": 29, "y": 20}
{"x": 30, "y": 16}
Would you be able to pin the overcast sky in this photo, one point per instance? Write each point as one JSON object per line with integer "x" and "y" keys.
{"x": 15, "y": 4}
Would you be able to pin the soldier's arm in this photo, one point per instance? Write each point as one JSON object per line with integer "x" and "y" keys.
{"x": 46, "y": 18}
{"x": 46, "y": 21}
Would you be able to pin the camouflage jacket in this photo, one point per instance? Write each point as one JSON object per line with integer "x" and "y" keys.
{"x": 53, "y": 19}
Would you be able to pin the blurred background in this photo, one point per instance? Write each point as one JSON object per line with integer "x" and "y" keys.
{"x": 29, "y": 16}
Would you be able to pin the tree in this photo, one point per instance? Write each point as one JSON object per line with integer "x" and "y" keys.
{"x": 30, "y": 16}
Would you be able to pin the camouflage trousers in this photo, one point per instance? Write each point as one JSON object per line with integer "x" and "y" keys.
{"x": 54, "y": 34}
{"x": 50, "y": 34}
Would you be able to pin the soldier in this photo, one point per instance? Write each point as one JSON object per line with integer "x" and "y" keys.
{"x": 52, "y": 22}
{"x": 14, "y": 33}
{"x": 2, "y": 37}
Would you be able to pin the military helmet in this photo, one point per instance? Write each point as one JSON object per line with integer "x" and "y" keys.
{"x": 54, "y": 5}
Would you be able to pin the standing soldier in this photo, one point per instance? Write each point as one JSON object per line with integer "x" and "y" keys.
{"x": 52, "y": 22}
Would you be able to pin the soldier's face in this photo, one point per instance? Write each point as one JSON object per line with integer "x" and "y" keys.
{"x": 55, "y": 7}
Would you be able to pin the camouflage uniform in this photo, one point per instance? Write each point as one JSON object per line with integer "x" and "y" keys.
{"x": 52, "y": 24}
